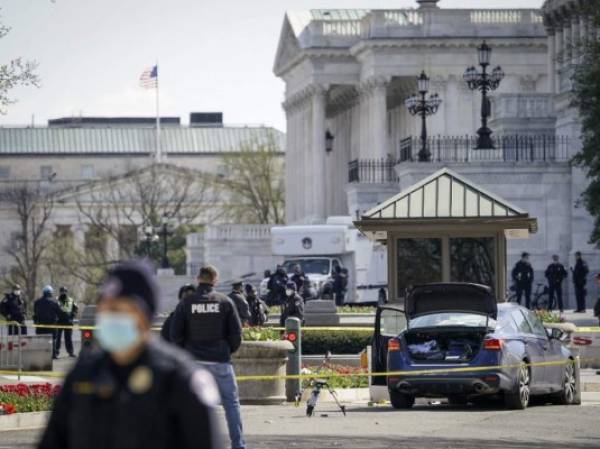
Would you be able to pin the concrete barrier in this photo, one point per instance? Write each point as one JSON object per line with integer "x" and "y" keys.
{"x": 321, "y": 312}
{"x": 262, "y": 358}
{"x": 585, "y": 342}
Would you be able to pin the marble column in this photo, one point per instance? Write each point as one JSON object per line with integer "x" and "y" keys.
{"x": 575, "y": 39}
{"x": 318, "y": 152}
{"x": 379, "y": 118}
{"x": 551, "y": 60}
{"x": 558, "y": 57}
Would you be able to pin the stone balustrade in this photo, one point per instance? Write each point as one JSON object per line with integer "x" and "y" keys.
{"x": 527, "y": 105}
{"x": 399, "y": 23}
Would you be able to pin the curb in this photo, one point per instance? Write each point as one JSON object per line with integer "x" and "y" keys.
{"x": 22, "y": 421}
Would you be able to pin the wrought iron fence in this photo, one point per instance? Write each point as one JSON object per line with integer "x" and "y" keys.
{"x": 508, "y": 148}
{"x": 373, "y": 171}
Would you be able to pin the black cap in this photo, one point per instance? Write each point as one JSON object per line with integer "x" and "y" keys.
{"x": 291, "y": 285}
{"x": 525, "y": 254}
{"x": 249, "y": 288}
{"x": 63, "y": 290}
{"x": 237, "y": 283}
{"x": 133, "y": 280}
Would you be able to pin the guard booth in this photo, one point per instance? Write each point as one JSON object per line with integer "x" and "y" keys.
{"x": 446, "y": 229}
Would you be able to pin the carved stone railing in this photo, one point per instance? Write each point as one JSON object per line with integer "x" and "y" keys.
{"x": 525, "y": 105}
{"x": 399, "y": 23}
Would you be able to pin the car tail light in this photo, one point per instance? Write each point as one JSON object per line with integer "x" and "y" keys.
{"x": 87, "y": 335}
{"x": 492, "y": 344}
{"x": 394, "y": 345}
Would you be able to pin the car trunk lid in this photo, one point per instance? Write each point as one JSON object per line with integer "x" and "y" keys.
{"x": 457, "y": 297}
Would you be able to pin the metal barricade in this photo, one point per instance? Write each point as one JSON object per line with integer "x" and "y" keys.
{"x": 11, "y": 348}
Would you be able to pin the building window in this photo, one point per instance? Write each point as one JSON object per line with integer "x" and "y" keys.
{"x": 4, "y": 172}
{"x": 128, "y": 240}
{"x": 88, "y": 172}
{"x": 46, "y": 172}
{"x": 419, "y": 261}
{"x": 95, "y": 242}
{"x": 222, "y": 171}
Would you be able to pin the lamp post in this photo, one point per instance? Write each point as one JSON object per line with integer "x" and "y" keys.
{"x": 165, "y": 232}
{"x": 148, "y": 238}
{"x": 423, "y": 106}
{"x": 484, "y": 82}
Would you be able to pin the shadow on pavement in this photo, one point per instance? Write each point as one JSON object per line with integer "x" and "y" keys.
{"x": 304, "y": 442}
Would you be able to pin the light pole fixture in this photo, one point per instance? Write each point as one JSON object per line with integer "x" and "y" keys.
{"x": 148, "y": 238}
{"x": 484, "y": 82}
{"x": 419, "y": 104}
{"x": 329, "y": 141}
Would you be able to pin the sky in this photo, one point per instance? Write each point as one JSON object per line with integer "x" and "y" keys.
{"x": 213, "y": 55}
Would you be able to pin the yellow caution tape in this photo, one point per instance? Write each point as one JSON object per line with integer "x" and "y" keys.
{"x": 424, "y": 372}
{"x": 588, "y": 329}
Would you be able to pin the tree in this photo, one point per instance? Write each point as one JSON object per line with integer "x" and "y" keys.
{"x": 253, "y": 182}
{"x": 31, "y": 206}
{"x": 117, "y": 210}
{"x": 16, "y": 72}
{"x": 586, "y": 97}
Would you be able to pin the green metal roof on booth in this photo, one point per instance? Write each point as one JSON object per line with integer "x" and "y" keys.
{"x": 446, "y": 198}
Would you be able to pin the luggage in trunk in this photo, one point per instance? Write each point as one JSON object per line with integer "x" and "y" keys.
{"x": 447, "y": 346}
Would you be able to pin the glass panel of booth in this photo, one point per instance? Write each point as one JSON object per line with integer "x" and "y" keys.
{"x": 472, "y": 260}
{"x": 392, "y": 322}
{"x": 418, "y": 261}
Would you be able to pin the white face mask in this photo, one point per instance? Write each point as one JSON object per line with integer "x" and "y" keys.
{"x": 17, "y": 292}
{"x": 289, "y": 292}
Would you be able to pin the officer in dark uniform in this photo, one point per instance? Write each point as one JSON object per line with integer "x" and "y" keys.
{"x": 241, "y": 305}
{"x": 259, "y": 311}
{"x": 293, "y": 305}
{"x": 277, "y": 286}
{"x": 340, "y": 282}
{"x": 14, "y": 309}
{"x": 46, "y": 313}
{"x": 68, "y": 312}
{"x": 134, "y": 392}
{"x": 580, "y": 273}
{"x": 299, "y": 278}
{"x": 556, "y": 274}
{"x": 522, "y": 275}
{"x": 184, "y": 292}
{"x": 208, "y": 326}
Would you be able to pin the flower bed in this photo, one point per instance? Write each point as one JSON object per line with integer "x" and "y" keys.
{"x": 21, "y": 398}
{"x": 549, "y": 317}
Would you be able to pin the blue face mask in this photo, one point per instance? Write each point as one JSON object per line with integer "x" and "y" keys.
{"x": 116, "y": 332}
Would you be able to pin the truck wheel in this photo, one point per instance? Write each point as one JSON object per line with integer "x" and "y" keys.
{"x": 518, "y": 399}
{"x": 382, "y": 298}
{"x": 401, "y": 401}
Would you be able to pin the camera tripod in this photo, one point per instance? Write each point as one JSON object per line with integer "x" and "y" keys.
{"x": 318, "y": 385}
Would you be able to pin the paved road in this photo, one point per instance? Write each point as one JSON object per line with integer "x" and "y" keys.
{"x": 426, "y": 426}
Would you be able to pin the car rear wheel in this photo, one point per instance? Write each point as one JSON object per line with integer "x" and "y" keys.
{"x": 569, "y": 391}
{"x": 518, "y": 399}
{"x": 400, "y": 400}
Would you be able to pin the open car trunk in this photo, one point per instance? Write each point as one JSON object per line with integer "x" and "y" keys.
{"x": 444, "y": 345}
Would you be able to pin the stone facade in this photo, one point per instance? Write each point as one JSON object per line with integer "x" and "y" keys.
{"x": 364, "y": 63}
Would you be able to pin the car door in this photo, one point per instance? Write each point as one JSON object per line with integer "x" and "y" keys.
{"x": 552, "y": 352}
{"x": 390, "y": 320}
{"x": 534, "y": 349}
{"x": 543, "y": 344}
{"x": 555, "y": 373}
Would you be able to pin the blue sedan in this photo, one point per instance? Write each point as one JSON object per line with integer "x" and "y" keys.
{"x": 460, "y": 330}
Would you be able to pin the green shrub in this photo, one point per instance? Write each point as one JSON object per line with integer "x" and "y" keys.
{"x": 337, "y": 342}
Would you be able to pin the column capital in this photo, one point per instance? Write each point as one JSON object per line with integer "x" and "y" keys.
{"x": 373, "y": 83}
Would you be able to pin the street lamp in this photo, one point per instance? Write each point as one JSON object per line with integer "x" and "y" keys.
{"x": 484, "y": 82}
{"x": 329, "y": 141}
{"x": 164, "y": 231}
{"x": 420, "y": 105}
{"x": 148, "y": 238}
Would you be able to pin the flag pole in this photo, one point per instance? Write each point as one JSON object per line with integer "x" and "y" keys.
{"x": 158, "y": 155}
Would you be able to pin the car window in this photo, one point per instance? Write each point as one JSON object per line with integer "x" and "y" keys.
{"x": 536, "y": 325}
{"x": 522, "y": 324}
{"x": 309, "y": 266}
{"x": 451, "y": 319}
{"x": 506, "y": 323}
{"x": 391, "y": 322}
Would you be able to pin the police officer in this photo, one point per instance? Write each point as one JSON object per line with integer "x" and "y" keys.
{"x": 555, "y": 273}
{"x": 14, "y": 309}
{"x": 277, "y": 285}
{"x": 184, "y": 292}
{"x": 522, "y": 275}
{"x": 340, "y": 282}
{"x": 299, "y": 278}
{"x": 46, "y": 313}
{"x": 293, "y": 305}
{"x": 580, "y": 273}
{"x": 133, "y": 391}
{"x": 208, "y": 326}
{"x": 68, "y": 312}
{"x": 241, "y": 305}
{"x": 259, "y": 310}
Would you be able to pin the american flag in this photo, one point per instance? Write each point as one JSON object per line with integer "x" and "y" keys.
{"x": 149, "y": 78}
